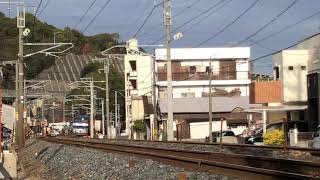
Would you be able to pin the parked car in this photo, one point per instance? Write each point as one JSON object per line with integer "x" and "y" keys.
{"x": 54, "y": 132}
{"x": 257, "y": 137}
{"x": 227, "y": 137}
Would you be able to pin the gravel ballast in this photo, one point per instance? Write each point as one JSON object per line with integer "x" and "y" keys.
{"x": 57, "y": 161}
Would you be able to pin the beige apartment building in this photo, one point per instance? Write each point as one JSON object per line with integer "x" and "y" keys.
{"x": 138, "y": 86}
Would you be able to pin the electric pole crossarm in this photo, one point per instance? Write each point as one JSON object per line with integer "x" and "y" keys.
{"x": 47, "y": 50}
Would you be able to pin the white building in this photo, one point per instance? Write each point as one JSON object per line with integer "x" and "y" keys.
{"x": 138, "y": 85}
{"x": 312, "y": 45}
{"x": 190, "y": 75}
{"x": 291, "y": 68}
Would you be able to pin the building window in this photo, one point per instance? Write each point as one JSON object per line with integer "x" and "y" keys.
{"x": 193, "y": 69}
{"x": 134, "y": 83}
{"x": 188, "y": 94}
{"x": 133, "y": 65}
{"x": 290, "y": 68}
{"x": 303, "y": 68}
{"x": 276, "y": 72}
{"x": 207, "y": 69}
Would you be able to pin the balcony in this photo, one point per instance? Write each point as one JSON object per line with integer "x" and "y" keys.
{"x": 133, "y": 74}
{"x": 200, "y": 76}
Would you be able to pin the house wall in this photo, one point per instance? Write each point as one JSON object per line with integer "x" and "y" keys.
{"x": 293, "y": 82}
{"x": 265, "y": 92}
{"x": 8, "y": 116}
{"x": 197, "y": 91}
{"x": 143, "y": 73}
{"x": 143, "y": 76}
{"x": 137, "y": 109}
{"x": 200, "y": 130}
{"x": 313, "y": 46}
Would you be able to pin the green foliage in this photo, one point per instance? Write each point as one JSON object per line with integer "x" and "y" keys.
{"x": 138, "y": 126}
{"x": 42, "y": 32}
{"x": 274, "y": 137}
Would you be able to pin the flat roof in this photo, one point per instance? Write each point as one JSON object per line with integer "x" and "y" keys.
{"x": 204, "y": 53}
{"x": 276, "y": 108}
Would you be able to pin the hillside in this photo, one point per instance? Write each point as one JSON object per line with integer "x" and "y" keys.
{"x": 42, "y": 32}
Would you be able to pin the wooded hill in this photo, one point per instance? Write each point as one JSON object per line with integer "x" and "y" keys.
{"x": 43, "y": 32}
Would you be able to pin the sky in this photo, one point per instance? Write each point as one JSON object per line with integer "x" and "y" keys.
{"x": 126, "y": 16}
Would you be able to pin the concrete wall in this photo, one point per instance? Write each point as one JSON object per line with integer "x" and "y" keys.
{"x": 143, "y": 73}
{"x": 196, "y": 91}
{"x": 265, "y": 92}
{"x": 8, "y": 116}
{"x": 312, "y": 44}
{"x": 137, "y": 111}
{"x": 293, "y": 82}
{"x": 143, "y": 76}
{"x": 200, "y": 130}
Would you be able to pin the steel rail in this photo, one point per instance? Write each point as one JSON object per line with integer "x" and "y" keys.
{"x": 314, "y": 151}
{"x": 240, "y": 166}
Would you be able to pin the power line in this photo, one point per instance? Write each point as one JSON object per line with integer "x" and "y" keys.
{"x": 95, "y": 17}
{"x": 285, "y": 28}
{"x": 85, "y": 13}
{"x": 186, "y": 8}
{"x": 210, "y": 14}
{"x": 34, "y": 17}
{"x": 45, "y": 6}
{"x": 176, "y": 15}
{"x": 270, "y": 22}
{"x": 190, "y": 20}
{"x": 264, "y": 56}
{"x": 39, "y": 5}
{"x": 230, "y": 24}
{"x": 145, "y": 21}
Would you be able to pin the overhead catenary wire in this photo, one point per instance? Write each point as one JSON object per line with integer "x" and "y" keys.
{"x": 264, "y": 56}
{"x": 204, "y": 18}
{"x": 84, "y": 14}
{"x": 285, "y": 28}
{"x": 186, "y": 8}
{"x": 95, "y": 17}
{"x": 145, "y": 20}
{"x": 268, "y": 23}
{"x": 191, "y": 20}
{"x": 35, "y": 16}
{"x": 175, "y": 15}
{"x": 38, "y": 8}
{"x": 45, "y": 7}
{"x": 230, "y": 24}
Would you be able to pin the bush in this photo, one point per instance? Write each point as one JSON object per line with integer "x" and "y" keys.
{"x": 274, "y": 137}
{"x": 138, "y": 126}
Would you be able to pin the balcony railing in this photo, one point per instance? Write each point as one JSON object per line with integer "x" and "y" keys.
{"x": 198, "y": 76}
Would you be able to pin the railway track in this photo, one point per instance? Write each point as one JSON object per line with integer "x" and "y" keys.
{"x": 235, "y": 165}
{"x": 235, "y": 147}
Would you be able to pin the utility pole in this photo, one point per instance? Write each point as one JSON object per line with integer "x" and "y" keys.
{"x": 106, "y": 71}
{"x": 102, "y": 121}
{"x": 91, "y": 109}
{"x": 154, "y": 135}
{"x": 20, "y": 124}
{"x": 168, "y": 21}
{"x": 64, "y": 109}
{"x": 116, "y": 109}
{"x": 210, "y": 102}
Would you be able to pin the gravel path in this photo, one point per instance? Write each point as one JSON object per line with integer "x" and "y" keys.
{"x": 55, "y": 161}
